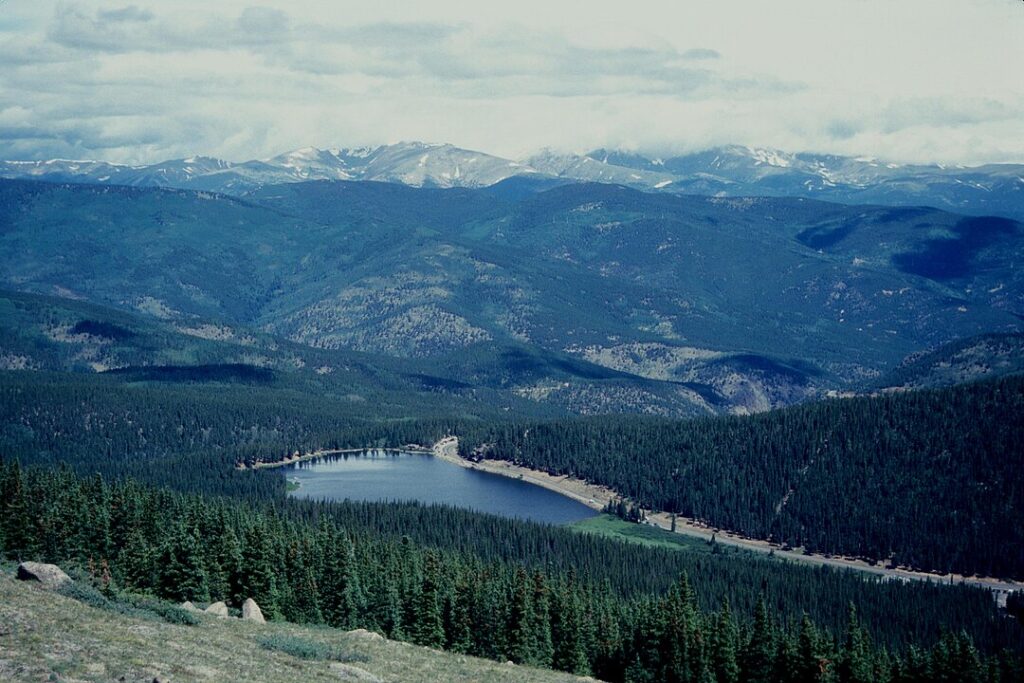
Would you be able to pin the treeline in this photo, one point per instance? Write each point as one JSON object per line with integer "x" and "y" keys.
{"x": 898, "y": 614}
{"x": 184, "y": 547}
{"x": 930, "y": 479}
{"x": 188, "y": 437}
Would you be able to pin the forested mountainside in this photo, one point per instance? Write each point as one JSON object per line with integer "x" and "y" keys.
{"x": 696, "y": 304}
{"x": 191, "y": 440}
{"x": 322, "y": 571}
{"x": 925, "y": 479}
{"x": 56, "y": 334}
{"x": 965, "y": 360}
{"x": 854, "y": 476}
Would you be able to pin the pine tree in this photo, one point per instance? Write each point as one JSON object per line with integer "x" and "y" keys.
{"x": 541, "y": 623}
{"x": 489, "y": 618}
{"x": 229, "y": 564}
{"x": 758, "y": 655}
{"x": 679, "y": 652}
{"x": 787, "y": 659}
{"x": 21, "y": 543}
{"x": 521, "y": 621}
{"x": 304, "y": 604}
{"x": 812, "y": 662}
{"x": 353, "y": 600}
{"x": 182, "y": 575}
{"x": 724, "y": 646}
{"x": 135, "y": 566}
{"x": 259, "y": 575}
{"x": 568, "y": 634}
{"x": 459, "y": 622}
{"x": 856, "y": 665}
{"x": 428, "y": 626}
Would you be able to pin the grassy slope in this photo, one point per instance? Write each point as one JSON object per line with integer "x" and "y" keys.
{"x": 45, "y": 636}
{"x": 610, "y": 526}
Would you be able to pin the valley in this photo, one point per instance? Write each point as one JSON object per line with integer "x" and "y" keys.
{"x": 387, "y": 342}
{"x": 590, "y": 343}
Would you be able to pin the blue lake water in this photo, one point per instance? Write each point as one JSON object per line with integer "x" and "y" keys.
{"x": 380, "y": 476}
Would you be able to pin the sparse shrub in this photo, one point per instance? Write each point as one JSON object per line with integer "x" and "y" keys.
{"x": 169, "y": 612}
{"x": 128, "y": 604}
{"x": 86, "y": 594}
{"x": 303, "y": 648}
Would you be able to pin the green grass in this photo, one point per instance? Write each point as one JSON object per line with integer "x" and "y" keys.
{"x": 611, "y": 526}
{"x": 45, "y": 635}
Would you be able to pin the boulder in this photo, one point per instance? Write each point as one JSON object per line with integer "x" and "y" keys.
{"x": 189, "y": 606}
{"x": 217, "y": 609}
{"x": 251, "y": 611}
{"x": 48, "y": 575}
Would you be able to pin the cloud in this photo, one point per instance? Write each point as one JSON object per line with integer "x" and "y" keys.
{"x": 263, "y": 23}
{"x": 701, "y": 53}
{"x": 149, "y": 80}
{"x": 131, "y": 13}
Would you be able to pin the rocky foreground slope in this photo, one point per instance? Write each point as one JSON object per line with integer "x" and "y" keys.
{"x": 46, "y": 636}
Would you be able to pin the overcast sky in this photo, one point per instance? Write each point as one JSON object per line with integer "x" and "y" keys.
{"x": 906, "y": 80}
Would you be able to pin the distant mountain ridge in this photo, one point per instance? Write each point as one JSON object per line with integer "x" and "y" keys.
{"x": 587, "y": 297}
{"x": 732, "y": 171}
{"x": 416, "y": 164}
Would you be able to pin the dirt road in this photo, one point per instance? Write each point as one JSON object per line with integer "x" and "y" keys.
{"x": 597, "y": 497}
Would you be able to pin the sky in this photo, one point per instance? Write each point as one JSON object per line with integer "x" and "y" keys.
{"x": 902, "y": 80}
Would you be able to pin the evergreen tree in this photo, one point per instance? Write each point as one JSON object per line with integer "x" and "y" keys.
{"x": 724, "y": 647}
{"x": 813, "y": 663}
{"x": 20, "y": 535}
{"x": 182, "y": 575}
{"x": 856, "y": 665}
{"x": 522, "y": 645}
{"x": 229, "y": 563}
{"x": 759, "y": 653}
{"x": 259, "y": 573}
{"x": 541, "y": 623}
{"x": 135, "y": 566}
{"x": 459, "y": 617}
{"x": 428, "y": 625}
{"x": 568, "y": 634}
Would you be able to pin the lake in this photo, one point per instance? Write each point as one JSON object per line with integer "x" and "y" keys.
{"x": 381, "y": 476}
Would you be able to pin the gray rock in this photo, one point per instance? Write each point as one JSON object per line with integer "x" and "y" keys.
{"x": 189, "y": 606}
{"x": 251, "y": 611}
{"x": 218, "y": 609}
{"x": 347, "y": 672}
{"x": 48, "y": 575}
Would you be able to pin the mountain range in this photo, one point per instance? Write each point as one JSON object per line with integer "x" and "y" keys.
{"x": 733, "y": 171}
{"x": 579, "y": 297}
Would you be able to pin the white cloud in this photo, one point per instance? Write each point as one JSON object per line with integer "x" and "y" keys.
{"x": 917, "y": 80}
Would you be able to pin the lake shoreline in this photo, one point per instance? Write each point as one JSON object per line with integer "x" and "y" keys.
{"x": 326, "y": 453}
{"x": 397, "y": 475}
{"x": 596, "y": 497}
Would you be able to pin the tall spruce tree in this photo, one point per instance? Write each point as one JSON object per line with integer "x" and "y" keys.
{"x": 759, "y": 653}
{"x": 725, "y": 646}
{"x": 428, "y": 625}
